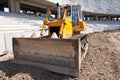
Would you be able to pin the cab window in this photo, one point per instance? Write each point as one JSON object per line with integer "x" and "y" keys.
{"x": 75, "y": 15}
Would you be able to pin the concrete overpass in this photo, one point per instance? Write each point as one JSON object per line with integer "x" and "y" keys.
{"x": 35, "y": 5}
{"x": 100, "y": 16}
{"x": 40, "y": 6}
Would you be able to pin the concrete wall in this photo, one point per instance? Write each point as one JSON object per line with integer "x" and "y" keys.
{"x": 6, "y": 39}
{"x": 2, "y": 44}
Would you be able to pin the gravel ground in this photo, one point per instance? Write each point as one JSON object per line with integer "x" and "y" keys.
{"x": 102, "y": 62}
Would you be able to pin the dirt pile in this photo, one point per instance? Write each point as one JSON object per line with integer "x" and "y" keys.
{"x": 102, "y": 62}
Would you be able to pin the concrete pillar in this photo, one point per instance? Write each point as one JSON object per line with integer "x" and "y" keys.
{"x": 2, "y": 44}
{"x": 96, "y": 17}
{"x": 14, "y": 6}
{"x": 92, "y": 18}
{"x": 112, "y": 18}
{"x": 100, "y": 18}
{"x": 17, "y": 6}
{"x": 109, "y": 18}
{"x": 11, "y": 4}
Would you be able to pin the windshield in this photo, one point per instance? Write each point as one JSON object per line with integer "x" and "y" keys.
{"x": 75, "y": 15}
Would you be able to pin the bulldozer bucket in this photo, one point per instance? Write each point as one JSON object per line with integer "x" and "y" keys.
{"x": 57, "y": 55}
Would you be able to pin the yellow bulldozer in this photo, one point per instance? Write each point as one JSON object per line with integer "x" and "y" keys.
{"x": 61, "y": 50}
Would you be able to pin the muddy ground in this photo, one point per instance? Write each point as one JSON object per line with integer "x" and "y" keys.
{"x": 102, "y": 62}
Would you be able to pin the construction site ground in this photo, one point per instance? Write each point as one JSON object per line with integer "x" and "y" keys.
{"x": 102, "y": 62}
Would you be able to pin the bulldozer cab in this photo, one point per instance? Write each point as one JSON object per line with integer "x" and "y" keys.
{"x": 73, "y": 11}
{"x": 64, "y": 21}
{"x": 70, "y": 16}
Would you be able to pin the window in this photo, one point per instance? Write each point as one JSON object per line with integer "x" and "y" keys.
{"x": 75, "y": 15}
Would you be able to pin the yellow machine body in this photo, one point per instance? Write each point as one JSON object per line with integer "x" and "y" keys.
{"x": 64, "y": 26}
{"x": 67, "y": 29}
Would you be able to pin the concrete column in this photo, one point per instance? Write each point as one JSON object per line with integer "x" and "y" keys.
{"x": 2, "y": 44}
{"x": 96, "y": 17}
{"x": 14, "y": 6}
{"x": 17, "y": 6}
{"x": 112, "y": 18}
{"x": 11, "y": 4}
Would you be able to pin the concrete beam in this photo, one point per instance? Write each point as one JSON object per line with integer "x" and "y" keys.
{"x": 31, "y": 8}
{"x": 38, "y": 3}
